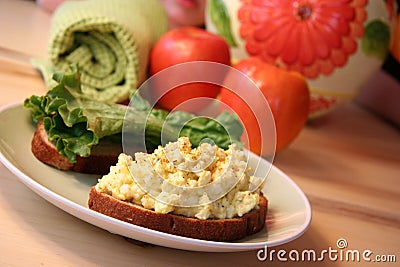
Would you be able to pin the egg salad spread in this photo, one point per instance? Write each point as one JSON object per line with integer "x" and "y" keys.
{"x": 206, "y": 182}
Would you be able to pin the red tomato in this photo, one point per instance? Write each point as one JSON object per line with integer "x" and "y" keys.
{"x": 186, "y": 44}
{"x": 287, "y": 94}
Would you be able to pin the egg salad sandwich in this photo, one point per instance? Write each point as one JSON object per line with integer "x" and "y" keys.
{"x": 205, "y": 192}
{"x": 77, "y": 133}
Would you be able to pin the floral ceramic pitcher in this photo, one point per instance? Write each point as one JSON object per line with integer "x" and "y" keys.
{"x": 336, "y": 45}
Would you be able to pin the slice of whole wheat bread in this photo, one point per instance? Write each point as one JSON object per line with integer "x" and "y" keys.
{"x": 211, "y": 229}
{"x": 103, "y": 155}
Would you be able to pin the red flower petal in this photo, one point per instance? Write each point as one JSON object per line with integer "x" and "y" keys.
{"x": 321, "y": 47}
{"x": 326, "y": 67}
{"x": 339, "y": 58}
{"x": 327, "y": 34}
{"x": 253, "y": 48}
{"x": 265, "y": 30}
{"x": 311, "y": 71}
{"x": 360, "y": 15}
{"x": 308, "y": 53}
{"x": 275, "y": 45}
{"x": 290, "y": 53}
{"x": 260, "y": 15}
{"x": 349, "y": 45}
{"x": 360, "y": 3}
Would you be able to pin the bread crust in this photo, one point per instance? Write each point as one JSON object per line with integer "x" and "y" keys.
{"x": 211, "y": 229}
{"x": 102, "y": 156}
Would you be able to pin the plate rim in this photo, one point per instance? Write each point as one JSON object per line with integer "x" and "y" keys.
{"x": 178, "y": 242}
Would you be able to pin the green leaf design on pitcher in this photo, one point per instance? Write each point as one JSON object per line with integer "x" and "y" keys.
{"x": 376, "y": 39}
{"x": 222, "y": 21}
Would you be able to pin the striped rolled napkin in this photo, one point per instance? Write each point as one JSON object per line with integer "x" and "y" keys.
{"x": 110, "y": 40}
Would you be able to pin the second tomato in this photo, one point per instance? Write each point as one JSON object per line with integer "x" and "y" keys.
{"x": 181, "y": 45}
{"x": 287, "y": 94}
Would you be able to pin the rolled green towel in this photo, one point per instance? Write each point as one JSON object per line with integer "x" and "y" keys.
{"x": 109, "y": 39}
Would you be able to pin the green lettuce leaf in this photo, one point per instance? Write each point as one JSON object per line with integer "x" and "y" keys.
{"x": 63, "y": 118}
{"x": 223, "y": 130}
{"x": 220, "y": 17}
{"x": 75, "y": 123}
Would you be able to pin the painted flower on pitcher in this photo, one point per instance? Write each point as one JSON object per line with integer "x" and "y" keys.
{"x": 312, "y": 37}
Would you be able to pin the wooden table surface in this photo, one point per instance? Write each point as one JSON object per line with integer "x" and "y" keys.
{"x": 347, "y": 163}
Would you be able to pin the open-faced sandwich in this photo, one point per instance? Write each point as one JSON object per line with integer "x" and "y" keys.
{"x": 205, "y": 192}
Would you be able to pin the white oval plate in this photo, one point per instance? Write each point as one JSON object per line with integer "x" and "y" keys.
{"x": 289, "y": 212}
